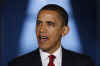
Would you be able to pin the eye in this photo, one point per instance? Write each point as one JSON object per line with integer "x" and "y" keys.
{"x": 38, "y": 22}
{"x": 51, "y": 23}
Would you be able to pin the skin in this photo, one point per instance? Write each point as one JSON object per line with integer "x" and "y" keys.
{"x": 49, "y": 23}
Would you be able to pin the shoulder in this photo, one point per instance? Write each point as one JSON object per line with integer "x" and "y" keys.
{"x": 72, "y": 53}
{"x": 24, "y": 58}
{"x": 77, "y": 58}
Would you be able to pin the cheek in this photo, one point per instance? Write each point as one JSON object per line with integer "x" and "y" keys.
{"x": 37, "y": 30}
{"x": 55, "y": 34}
{"x": 37, "y": 33}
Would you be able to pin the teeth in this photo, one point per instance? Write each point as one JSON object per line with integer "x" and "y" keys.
{"x": 43, "y": 37}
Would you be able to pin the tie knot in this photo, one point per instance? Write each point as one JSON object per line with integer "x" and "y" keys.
{"x": 52, "y": 57}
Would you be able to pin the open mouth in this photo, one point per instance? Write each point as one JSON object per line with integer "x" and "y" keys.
{"x": 43, "y": 38}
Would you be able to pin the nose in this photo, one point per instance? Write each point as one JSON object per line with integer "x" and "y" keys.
{"x": 43, "y": 28}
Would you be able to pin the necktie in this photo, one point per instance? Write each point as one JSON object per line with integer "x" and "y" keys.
{"x": 51, "y": 59}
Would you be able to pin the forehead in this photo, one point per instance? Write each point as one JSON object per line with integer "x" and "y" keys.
{"x": 48, "y": 13}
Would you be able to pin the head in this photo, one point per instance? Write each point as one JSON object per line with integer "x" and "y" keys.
{"x": 51, "y": 26}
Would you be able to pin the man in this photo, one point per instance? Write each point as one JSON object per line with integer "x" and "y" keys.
{"x": 51, "y": 26}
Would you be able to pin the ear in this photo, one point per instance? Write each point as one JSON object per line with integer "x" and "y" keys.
{"x": 65, "y": 30}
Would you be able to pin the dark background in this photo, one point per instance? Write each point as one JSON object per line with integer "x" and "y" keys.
{"x": 12, "y": 14}
{"x": 98, "y": 33}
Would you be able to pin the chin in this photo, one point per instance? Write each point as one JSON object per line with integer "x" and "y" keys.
{"x": 44, "y": 48}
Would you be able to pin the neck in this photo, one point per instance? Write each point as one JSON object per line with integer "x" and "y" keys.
{"x": 51, "y": 51}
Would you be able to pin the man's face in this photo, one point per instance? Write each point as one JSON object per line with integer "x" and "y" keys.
{"x": 49, "y": 30}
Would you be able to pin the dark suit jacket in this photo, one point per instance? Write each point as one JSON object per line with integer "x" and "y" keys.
{"x": 68, "y": 59}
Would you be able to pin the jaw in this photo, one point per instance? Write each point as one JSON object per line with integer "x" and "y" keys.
{"x": 48, "y": 48}
{"x": 50, "y": 44}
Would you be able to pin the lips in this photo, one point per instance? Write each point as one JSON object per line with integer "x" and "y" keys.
{"x": 43, "y": 38}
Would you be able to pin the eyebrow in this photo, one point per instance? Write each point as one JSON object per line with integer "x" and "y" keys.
{"x": 38, "y": 21}
{"x": 48, "y": 22}
{"x": 51, "y": 22}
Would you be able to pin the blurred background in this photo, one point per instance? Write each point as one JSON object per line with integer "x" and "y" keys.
{"x": 17, "y": 27}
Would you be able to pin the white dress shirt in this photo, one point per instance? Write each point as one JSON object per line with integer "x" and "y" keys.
{"x": 57, "y": 60}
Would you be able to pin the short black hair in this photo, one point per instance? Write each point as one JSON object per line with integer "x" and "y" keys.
{"x": 61, "y": 11}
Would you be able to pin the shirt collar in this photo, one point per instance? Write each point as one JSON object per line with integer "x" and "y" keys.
{"x": 57, "y": 53}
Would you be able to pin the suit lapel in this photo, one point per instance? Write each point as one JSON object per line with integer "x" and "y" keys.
{"x": 66, "y": 58}
{"x": 37, "y": 58}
